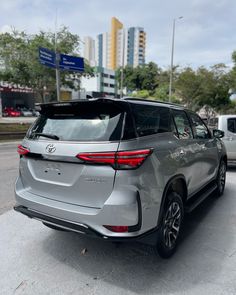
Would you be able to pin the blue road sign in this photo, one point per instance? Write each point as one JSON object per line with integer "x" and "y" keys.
{"x": 47, "y": 57}
{"x": 71, "y": 63}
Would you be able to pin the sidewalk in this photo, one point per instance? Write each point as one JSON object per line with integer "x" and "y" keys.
{"x": 21, "y": 120}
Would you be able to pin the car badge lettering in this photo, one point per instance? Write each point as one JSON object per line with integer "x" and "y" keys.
{"x": 50, "y": 148}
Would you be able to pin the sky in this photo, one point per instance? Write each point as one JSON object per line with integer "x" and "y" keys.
{"x": 204, "y": 36}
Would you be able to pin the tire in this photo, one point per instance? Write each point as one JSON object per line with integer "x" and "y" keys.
{"x": 171, "y": 225}
{"x": 54, "y": 227}
{"x": 221, "y": 177}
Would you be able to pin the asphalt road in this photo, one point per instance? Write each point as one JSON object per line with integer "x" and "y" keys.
{"x": 8, "y": 174}
{"x": 37, "y": 260}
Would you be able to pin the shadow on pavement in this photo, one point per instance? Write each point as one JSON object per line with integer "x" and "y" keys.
{"x": 137, "y": 267}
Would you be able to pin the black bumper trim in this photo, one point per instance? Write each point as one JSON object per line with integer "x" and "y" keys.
{"x": 148, "y": 237}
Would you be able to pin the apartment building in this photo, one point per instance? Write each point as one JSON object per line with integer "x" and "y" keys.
{"x": 119, "y": 47}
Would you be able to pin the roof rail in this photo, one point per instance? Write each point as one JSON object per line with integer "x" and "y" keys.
{"x": 150, "y": 100}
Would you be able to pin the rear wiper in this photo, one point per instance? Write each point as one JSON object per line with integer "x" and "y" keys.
{"x": 52, "y": 136}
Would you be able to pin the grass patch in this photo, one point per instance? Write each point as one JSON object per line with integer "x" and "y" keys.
{"x": 14, "y": 127}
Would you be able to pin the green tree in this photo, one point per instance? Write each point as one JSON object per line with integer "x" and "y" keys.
{"x": 140, "y": 78}
{"x": 19, "y": 54}
{"x": 161, "y": 92}
{"x": 204, "y": 86}
{"x": 141, "y": 94}
{"x": 188, "y": 86}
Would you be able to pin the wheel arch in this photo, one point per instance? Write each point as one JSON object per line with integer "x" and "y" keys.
{"x": 175, "y": 184}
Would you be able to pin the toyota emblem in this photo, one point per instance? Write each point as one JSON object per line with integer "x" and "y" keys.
{"x": 50, "y": 148}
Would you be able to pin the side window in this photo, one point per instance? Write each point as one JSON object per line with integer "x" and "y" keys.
{"x": 182, "y": 124}
{"x": 199, "y": 128}
{"x": 232, "y": 125}
{"x": 151, "y": 119}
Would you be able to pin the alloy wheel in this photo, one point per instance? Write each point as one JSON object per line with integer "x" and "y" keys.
{"x": 172, "y": 224}
{"x": 222, "y": 177}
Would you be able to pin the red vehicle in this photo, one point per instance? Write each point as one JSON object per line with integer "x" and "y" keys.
{"x": 11, "y": 112}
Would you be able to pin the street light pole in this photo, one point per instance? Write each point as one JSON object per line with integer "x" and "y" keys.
{"x": 122, "y": 68}
{"x": 172, "y": 57}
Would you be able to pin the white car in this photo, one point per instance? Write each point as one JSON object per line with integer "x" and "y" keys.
{"x": 226, "y": 123}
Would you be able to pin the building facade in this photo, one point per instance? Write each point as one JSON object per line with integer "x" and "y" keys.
{"x": 136, "y": 47}
{"x": 116, "y": 25}
{"x": 89, "y": 50}
{"x": 119, "y": 47}
{"x": 102, "y": 50}
{"x": 103, "y": 82}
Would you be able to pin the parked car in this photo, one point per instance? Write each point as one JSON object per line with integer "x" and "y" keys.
{"x": 26, "y": 112}
{"x": 11, "y": 112}
{"x": 35, "y": 113}
{"x": 119, "y": 169}
{"x": 226, "y": 123}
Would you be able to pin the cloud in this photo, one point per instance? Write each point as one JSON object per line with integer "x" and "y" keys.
{"x": 204, "y": 36}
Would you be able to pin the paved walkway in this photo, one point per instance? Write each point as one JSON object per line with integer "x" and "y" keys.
{"x": 21, "y": 120}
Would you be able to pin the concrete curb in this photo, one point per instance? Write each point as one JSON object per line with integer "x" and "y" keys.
{"x": 9, "y": 142}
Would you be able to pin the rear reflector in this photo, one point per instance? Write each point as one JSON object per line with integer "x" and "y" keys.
{"x": 22, "y": 151}
{"x": 119, "y": 160}
{"x": 117, "y": 228}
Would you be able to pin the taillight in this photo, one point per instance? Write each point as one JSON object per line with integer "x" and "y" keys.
{"x": 131, "y": 159}
{"x": 22, "y": 151}
{"x": 117, "y": 228}
{"x": 103, "y": 158}
{"x": 118, "y": 160}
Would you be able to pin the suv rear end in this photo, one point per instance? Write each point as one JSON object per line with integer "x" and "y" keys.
{"x": 84, "y": 168}
{"x": 118, "y": 169}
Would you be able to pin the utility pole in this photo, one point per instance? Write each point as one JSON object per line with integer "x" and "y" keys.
{"x": 172, "y": 58}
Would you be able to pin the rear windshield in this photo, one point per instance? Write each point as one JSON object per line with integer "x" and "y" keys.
{"x": 151, "y": 119}
{"x": 94, "y": 122}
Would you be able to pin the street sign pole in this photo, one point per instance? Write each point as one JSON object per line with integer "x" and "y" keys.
{"x": 58, "y": 76}
{"x": 57, "y": 63}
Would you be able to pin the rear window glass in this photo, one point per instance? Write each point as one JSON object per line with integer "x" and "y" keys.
{"x": 93, "y": 122}
{"x": 232, "y": 125}
{"x": 151, "y": 119}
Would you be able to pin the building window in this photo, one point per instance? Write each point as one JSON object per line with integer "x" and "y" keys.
{"x": 112, "y": 77}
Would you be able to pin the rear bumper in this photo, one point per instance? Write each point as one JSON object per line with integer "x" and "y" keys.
{"x": 149, "y": 237}
{"x": 123, "y": 208}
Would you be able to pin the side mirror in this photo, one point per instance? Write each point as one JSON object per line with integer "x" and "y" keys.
{"x": 218, "y": 133}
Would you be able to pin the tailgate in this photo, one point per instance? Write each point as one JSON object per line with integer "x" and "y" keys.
{"x": 51, "y": 169}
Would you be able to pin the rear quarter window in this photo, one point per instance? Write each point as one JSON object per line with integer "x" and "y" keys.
{"x": 151, "y": 119}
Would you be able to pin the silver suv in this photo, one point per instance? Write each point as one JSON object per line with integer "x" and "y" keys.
{"x": 119, "y": 170}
